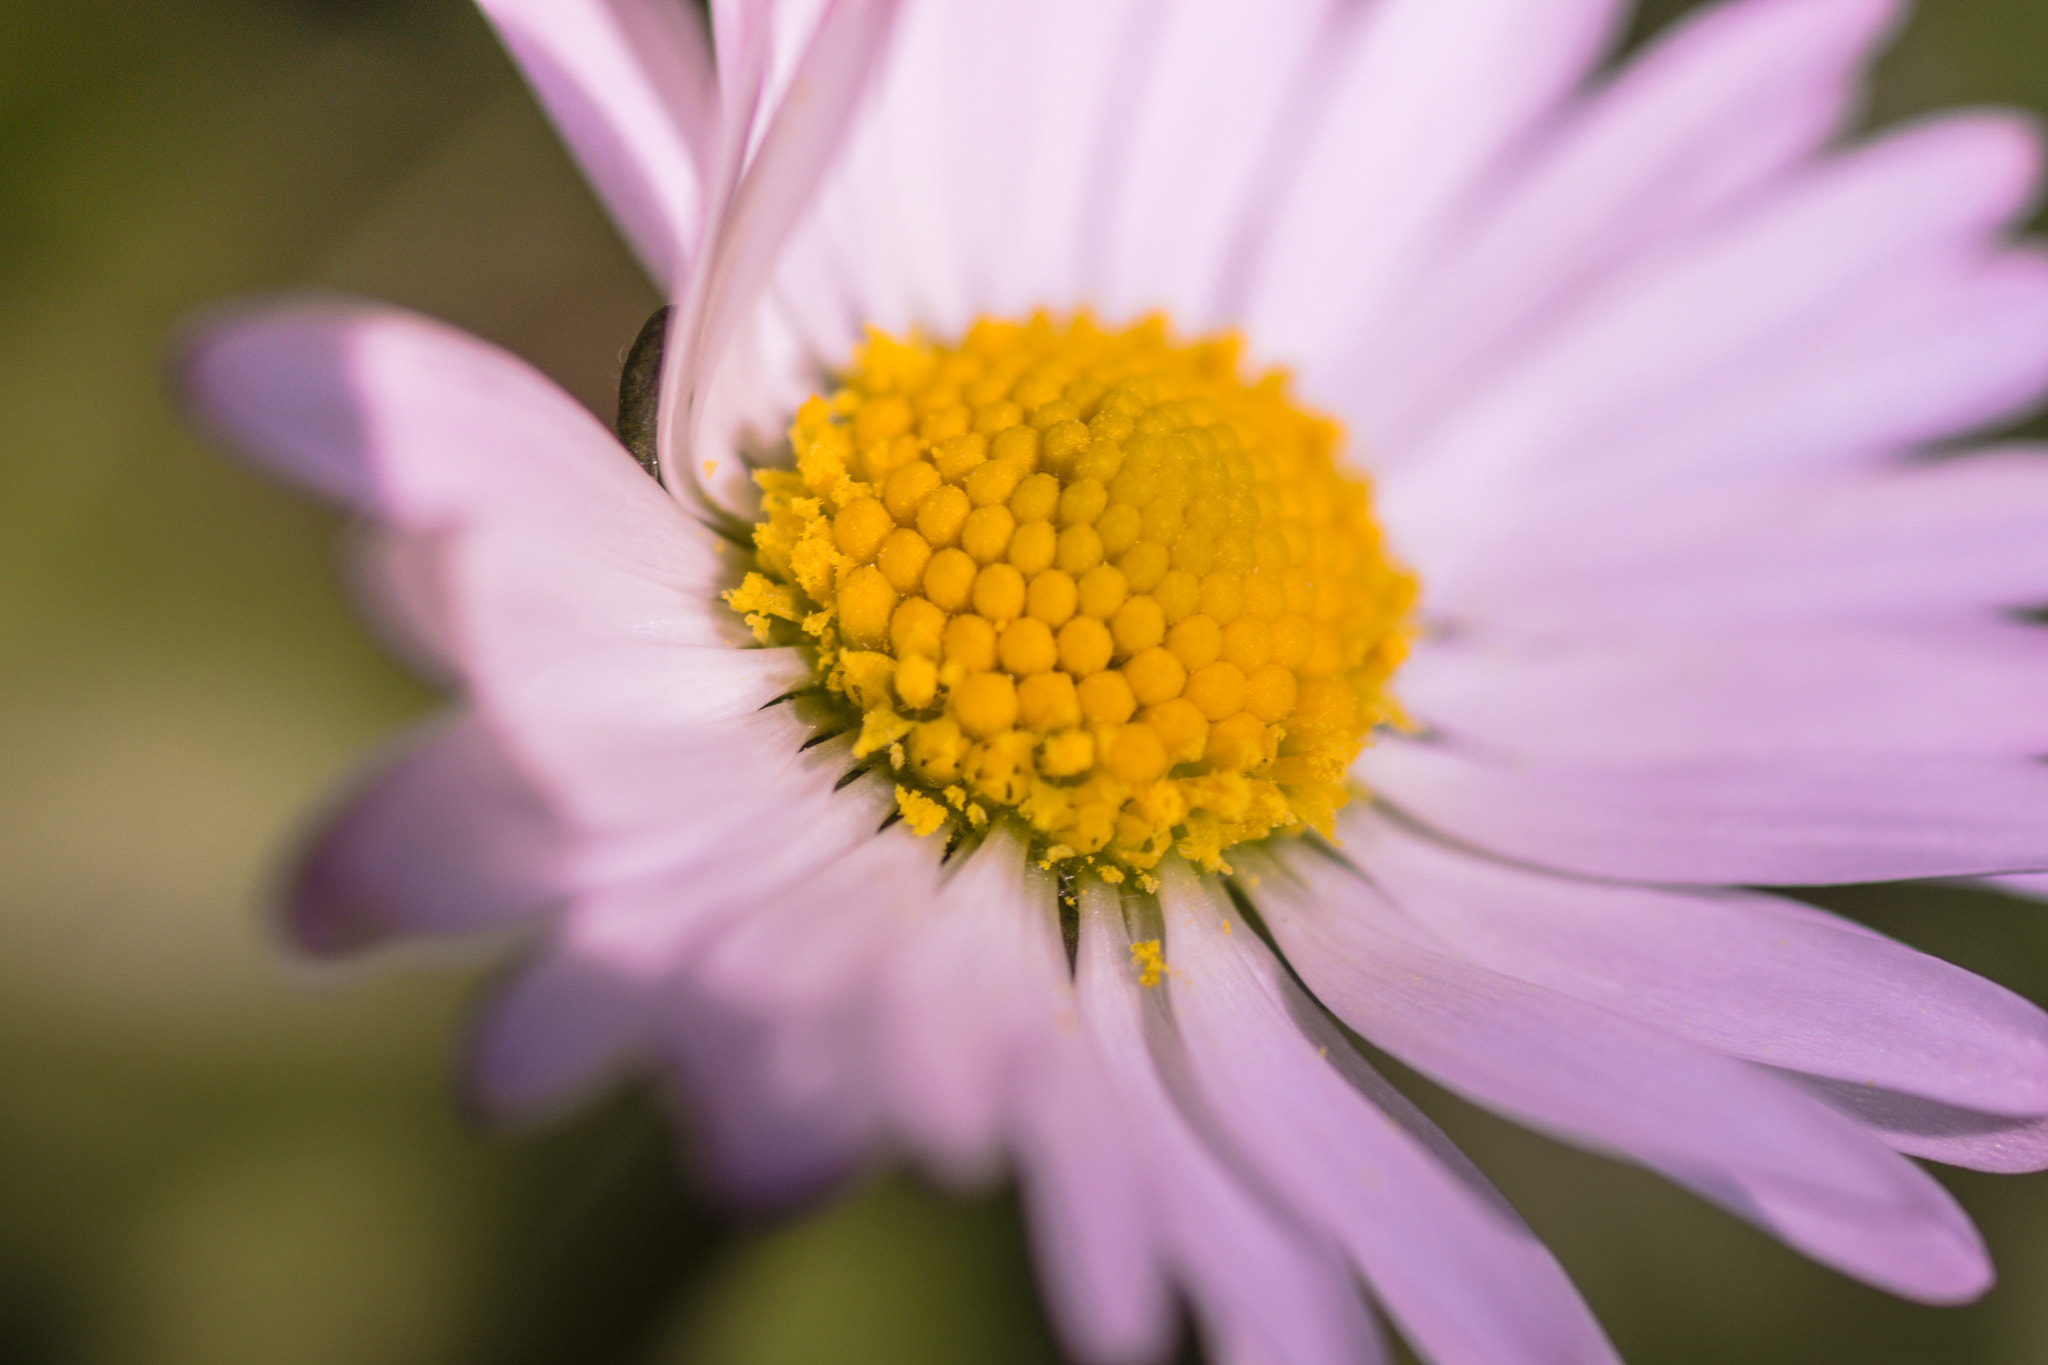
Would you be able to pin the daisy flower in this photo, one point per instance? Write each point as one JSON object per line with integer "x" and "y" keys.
{"x": 1183, "y": 535}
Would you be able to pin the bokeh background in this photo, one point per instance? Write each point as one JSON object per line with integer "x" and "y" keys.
{"x": 212, "y": 1154}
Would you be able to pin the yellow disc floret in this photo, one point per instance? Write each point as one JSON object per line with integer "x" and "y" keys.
{"x": 1090, "y": 578}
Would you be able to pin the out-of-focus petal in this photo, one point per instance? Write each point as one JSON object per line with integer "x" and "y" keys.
{"x": 1429, "y": 96}
{"x": 445, "y": 837}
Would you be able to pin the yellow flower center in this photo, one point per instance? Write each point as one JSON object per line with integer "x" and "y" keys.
{"x": 1090, "y": 579}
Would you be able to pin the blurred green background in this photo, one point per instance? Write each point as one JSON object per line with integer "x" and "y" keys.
{"x": 213, "y": 1155}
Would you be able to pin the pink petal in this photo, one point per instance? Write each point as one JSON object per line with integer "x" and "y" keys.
{"x": 1264, "y": 1288}
{"x": 1372, "y": 191}
{"x": 1198, "y": 171}
{"x": 1802, "y": 821}
{"x": 1468, "y": 1282}
{"x": 1728, "y": 99}
{"x": 1735, "y": 1135}
{"x": 1926, "y": 1128}
{"x": 1748, "y": 293}
{"x": 1759, "y": 978}
{"x": 750, "y": 228}
{"x": 628, "y": 84}
{"x": 1735, "y": 695}
{"x": 445, "y": 837}
{"x": 1910, "y": 542}
{"x": 560, "y": 1030}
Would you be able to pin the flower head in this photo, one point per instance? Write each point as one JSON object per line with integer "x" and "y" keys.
{"x": 1022, "y": 729}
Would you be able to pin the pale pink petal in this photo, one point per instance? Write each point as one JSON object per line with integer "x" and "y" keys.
{"x": 1467, "y": 1281}
{"x": 1910, "y": 542}
{"x": 2033, "y": 885}
{"x": 1808, "y": 820}
{"x": 750, "y": 227}
{"x": 670, "y": 743}
{"x": 1751, "y": 292}
{"x": 1264, "y": 1288}
{"x": 444, "y": 837}
{"x": 1083, "y": 1169}
{"x": 948, "y": 1016}
{"x": 1918, "y": 362}
{"x": 1730, "y": 98}
{"x": 1429, "y": 96}
{"x": 1732, "y": 1133}
{"x": 628, "y": 84}
{"x": 427, "y": 428}
{"x": 1739, "y": 695}
{"x": 1925, "y": 1128}
{"x": 1198, "y": 169}
{"x": 1750, "y": 975}
{"x": 560, "y": 1030}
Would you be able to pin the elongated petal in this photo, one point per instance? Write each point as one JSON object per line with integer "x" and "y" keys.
{"x": 1735, "y": 1135}
{"x": 750, "y": 227}
{"x": 1754, "y": 695}
{"x": 1370, "y": 195}
{"x": 1750, "y": 975}
{"x": 1465, "y": 1279}
{"x": 1801, "y": 821}
{"x": 1727, "y": 100}
{"x": 629, "y": 85}
{"x": 445, "y": 837}
{"x": 1752, "y": 290}
{"x": 1934, "y": 1131}
{"x": 1915, "y": 542}
{"x": 1264, "y": 1287}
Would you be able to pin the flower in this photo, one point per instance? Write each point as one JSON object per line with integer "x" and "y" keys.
{"x": 1649, "y": 381}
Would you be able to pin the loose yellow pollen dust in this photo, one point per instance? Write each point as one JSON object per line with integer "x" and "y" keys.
{"x": 1090, "y": 578}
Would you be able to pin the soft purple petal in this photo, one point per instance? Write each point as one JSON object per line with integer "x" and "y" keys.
{"x": 445, "y": 837}
{"x": 1756, "y": 695}
{"x": 1907, "y": 543}
{"x": 1802, "y": 821}
{"x": 749, "y": 229}
{"x": 562, "y": 1028}
{"x": 1925, "y": 1128}
{"x": 1595, "y": 398}
{"x": 1264, "y": 1288}
{"x": 1724, "y": 102}
{"x": 1468, "y": 1282}
{"x": 1740, "y": 1137}
{"x": 1751, "y": 975}
{"x": 1429, "y": 96}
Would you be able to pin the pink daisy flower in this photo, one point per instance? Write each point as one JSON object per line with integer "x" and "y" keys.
{"x": 1011, "y": 734}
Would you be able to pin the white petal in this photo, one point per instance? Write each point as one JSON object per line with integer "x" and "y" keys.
{"x": 1741, "y": 299}
{"x": 1725, "y": 101}
{"x": 1911, "y": 542}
